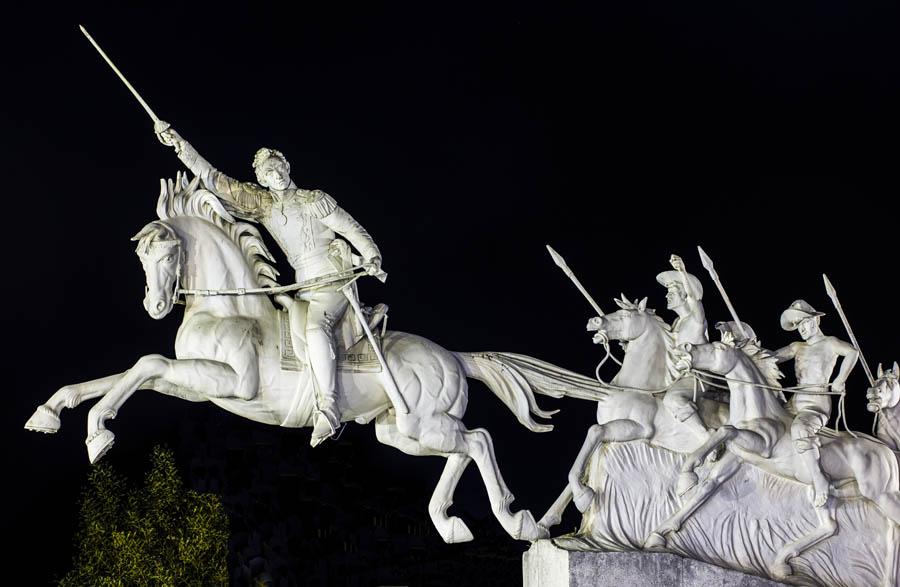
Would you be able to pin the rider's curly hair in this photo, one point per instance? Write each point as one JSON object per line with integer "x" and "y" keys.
{"x": 265, "y": 153}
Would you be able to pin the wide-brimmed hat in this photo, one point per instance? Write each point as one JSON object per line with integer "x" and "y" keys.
{"x": 797, "y": 313}
{"x": 671, "y": 276}
{"x": 731, "y": 326}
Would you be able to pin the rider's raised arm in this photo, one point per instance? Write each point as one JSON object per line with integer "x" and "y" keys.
{"x": 850, "y": 356}
{"x": 245, "y": 197}
{"x": 338, "y": 220}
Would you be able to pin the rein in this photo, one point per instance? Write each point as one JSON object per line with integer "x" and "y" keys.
{"x": 356, "y": 272}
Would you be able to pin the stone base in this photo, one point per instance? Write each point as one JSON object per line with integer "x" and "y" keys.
{"x": 547, "y": 565}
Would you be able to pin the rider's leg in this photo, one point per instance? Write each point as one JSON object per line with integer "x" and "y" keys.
{"x": 803, "y": 432}
{"x": 680, "y": 403}
{"x": 325, "y": 309}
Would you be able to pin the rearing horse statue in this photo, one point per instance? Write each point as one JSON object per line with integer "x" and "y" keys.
{"x": 228, "y": 351}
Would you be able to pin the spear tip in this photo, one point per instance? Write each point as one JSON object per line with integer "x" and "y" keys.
{"x": 557, "y": 258}
{"x": 705, "y": 259}
{"x": 828, "y": 287}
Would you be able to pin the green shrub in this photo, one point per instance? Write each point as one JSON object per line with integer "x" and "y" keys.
{"x": 158, "y": 534}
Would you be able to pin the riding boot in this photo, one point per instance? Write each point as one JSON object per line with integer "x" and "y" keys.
{"x": 323, "y": 363}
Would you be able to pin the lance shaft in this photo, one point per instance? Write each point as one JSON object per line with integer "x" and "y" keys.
{"x": 832, "y": 293}
{"x": 708, "y": 265}
{"x": 561, "y": 263}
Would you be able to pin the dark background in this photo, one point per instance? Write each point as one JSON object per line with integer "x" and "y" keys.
{"x": 464, "y": 139}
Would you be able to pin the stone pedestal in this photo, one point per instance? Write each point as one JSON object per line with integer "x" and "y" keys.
{"x": 547, "y": 565}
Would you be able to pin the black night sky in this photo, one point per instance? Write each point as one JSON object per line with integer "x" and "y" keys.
{"x": 464, "y": 139}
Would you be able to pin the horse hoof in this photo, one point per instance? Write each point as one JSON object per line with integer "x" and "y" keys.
{"x": 655, "y": 541}
{"x": 43, "y": 420}
{"x": 583, "y": 498}
{"x": 529, "y": 529}
{"x": 781, "y": 570}
{"x": 456, "y": 531}
{"x": 686, "y": 482}
{"x": 99, "y": 444}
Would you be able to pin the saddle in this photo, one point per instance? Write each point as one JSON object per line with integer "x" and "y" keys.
{"x": 352, "y": 346}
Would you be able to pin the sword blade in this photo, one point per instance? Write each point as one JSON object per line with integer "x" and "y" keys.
{"x": 119, "y": 73}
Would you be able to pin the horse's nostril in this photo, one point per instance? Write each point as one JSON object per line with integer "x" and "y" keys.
{"x": 160, "y": 306}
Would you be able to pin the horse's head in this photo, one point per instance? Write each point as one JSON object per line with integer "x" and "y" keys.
{"x": 716, "y": 357}
{"x": 160, "y": 252}
{"x": 885, "y": 392}
{"x": 626, "y": 324}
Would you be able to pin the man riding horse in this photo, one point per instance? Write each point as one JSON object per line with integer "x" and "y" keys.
{"x": 304, "y": 224}
{"x": 684, "y": 296}
{"x": 814, "y": 360}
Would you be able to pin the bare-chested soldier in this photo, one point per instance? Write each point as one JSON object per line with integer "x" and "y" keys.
{"x": 683, "y": 297}
{"x": 814, "y": 360}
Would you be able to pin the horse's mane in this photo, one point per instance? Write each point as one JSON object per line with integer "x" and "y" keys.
{"x": 180, "y": 198}
{"x": 765, "y": 361}
{"x": 668, "y": 335}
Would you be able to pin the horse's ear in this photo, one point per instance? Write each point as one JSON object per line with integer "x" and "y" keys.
{"x": 145, "y": 231}
{"x": 620, "y": 303}
{"x": 643, "y": 305}
{"x": 626, "y": 300}
{"x": 880, "y": 372}
{"x": 896, "y": 370}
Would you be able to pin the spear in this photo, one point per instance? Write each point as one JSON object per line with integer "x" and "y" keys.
{"x": 837, "y": 304}
{"x": 708, "y": 265}
{"x": 561, "y": 263}
{"x": 158, "y": 125}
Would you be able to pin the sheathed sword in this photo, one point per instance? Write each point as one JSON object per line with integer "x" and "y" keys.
{"x": 158, "y": 125}
{"x": 393, "y": 392}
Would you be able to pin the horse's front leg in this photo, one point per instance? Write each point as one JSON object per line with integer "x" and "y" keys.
{"x": 688, "y": 479}
{"x": 723, "y": 470}
{"x": 197, "y": 379}
{"x": 46, "y": 416}
{"x": 613, "y": 431}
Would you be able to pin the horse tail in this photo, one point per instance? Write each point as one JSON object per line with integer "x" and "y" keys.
{"x": 516, "y": 378}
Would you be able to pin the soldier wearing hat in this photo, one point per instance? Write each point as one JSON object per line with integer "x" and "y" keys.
{"x": 683, "y": 296}
{"x": 814, "y": 360}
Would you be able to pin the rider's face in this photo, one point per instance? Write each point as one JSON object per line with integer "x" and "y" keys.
{"x": 274, "y": 174}
{"x": 674, "y": 296}
{"x": 808, "y": 327}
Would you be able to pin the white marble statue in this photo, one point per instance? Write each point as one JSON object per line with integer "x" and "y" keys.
{"x": 747, "y": 496}
{"x": 814, "y": 359}
{"x": 304, "y": 223}
{"x": 230, "y": 350}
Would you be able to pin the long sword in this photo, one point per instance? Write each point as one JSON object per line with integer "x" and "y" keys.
{"x": 561, "y": 263}
{"x": 708, "y": 265}
{"x": 158, "y": 125}
{"x": 837, "y": 304}
{"x": 393, "y": 392}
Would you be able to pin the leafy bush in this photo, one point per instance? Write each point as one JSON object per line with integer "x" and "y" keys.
{"x": 158, "y": 534}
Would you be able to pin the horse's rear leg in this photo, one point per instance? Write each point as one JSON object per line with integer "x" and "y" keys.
{"x": 451, "y": 528}
{"x": 723, "y": 470}
{"x": 614, "y": 431}
{"x": 198, "y": 378}
{"x": 780, "y": 567}
{"x": 521, "y": 525}
{"x": 46, "y": 417}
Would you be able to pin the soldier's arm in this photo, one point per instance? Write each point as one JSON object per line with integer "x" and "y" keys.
{"x": 850, "y": 356}
{"x": 785, "y": 353}
{"x": 338, "y": 220}
{"x": 244, "y": 197}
